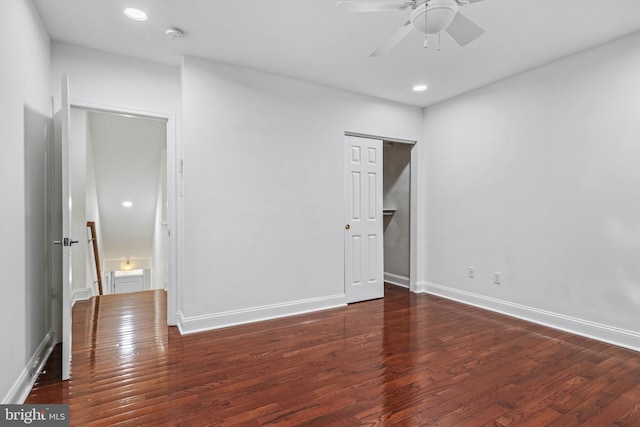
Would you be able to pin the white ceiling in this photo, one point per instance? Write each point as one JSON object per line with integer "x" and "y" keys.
{"x": 309, "y": 40}
{"x": 127, "y": 155}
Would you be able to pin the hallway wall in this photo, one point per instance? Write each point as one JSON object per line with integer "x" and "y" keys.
{"x": 93, "y": 214}
{"x": 78, "y": 164}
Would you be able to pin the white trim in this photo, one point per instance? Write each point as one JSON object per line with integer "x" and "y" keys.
{"x": 80, "y": 295}
{"x": 188, "y": 325}
{"x": 23, "y": 385}
{"x": 419, "y": 287}
{"x": 365, "y": 135}
{"x": 396, "y": 279}
{"x": 416, "y": 216}
{"x": 110, "y": 108}
{"x": 585, "y": 328}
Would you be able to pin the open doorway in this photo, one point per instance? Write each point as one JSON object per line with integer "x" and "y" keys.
{"x": 396, "y": 195}
{"x": 119, "y": 169}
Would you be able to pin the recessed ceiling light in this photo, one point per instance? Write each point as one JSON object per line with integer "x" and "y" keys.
{"x": 419, "y": 88}
{"x": 127, "y": 204}
{"x": 135, "y": 14}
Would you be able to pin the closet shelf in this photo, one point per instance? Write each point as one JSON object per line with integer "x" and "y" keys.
{"x": 386, "y": 212}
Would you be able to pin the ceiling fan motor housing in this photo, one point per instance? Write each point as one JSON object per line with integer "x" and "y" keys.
{"x": 439, "y": 14}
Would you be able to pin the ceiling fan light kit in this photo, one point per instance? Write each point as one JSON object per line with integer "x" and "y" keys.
{"x": 428, "y": 17}
{"x": 434, "y": 16}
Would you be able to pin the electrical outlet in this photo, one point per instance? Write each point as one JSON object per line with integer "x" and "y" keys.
{"x": 497, "y": 277}
{"x": 472, "y": 272}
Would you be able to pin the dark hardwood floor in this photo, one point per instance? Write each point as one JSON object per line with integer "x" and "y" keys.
{"x": 403, "y": 360}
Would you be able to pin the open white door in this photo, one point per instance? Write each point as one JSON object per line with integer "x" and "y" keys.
{"x": 364, "y": 245}
{"x": 66, "y": 241}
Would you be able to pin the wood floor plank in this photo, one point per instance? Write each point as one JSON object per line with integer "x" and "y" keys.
{"x": 406, "y": 359}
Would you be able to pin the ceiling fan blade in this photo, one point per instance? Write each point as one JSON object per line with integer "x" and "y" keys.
{"x": 352, "y": 6}
{"x": 463, "y": 30}
{"x": 392, "y": 41}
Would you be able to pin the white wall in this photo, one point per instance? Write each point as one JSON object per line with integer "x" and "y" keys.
{"x": 78, "y": 165}
{"x": 92, "y": 210}
{"x": 536, "y": 177}
{"x": 396, "y": 194}
{"x": 115, "y": 80}
{"x": 25, "y": 110}
{"x": 160, "y": 242}
{"x": 263, "y": 190}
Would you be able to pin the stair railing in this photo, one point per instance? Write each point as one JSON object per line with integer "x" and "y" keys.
{"x": 96, "y": 255}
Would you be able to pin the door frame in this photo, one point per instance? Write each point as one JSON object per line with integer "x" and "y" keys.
{"x": 174, "y": 195}
{"x": 415, "y": 223}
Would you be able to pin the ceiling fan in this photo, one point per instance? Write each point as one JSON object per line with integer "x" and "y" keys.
{"x": 427, "y": 17}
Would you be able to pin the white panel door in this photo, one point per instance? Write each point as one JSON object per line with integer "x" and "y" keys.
{"x": 364, "y": 261}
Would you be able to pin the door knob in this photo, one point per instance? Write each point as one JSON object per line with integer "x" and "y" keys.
{"x": 347, "y": 227}
{"x": 65, "y": 242}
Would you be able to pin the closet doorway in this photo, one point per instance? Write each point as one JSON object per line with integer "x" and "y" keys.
{"x": 396, "y": 196}
{"x": 380, "y": 215}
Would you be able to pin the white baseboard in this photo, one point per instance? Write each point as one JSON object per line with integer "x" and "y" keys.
{"x": 23, "y": 385}
{"x": 585, "y": 328}
{"x": 420, "y": 288}
{"x": 80, "y": 295}
{"x": 397, "y": 280}
{"x": 188, "y": 325}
